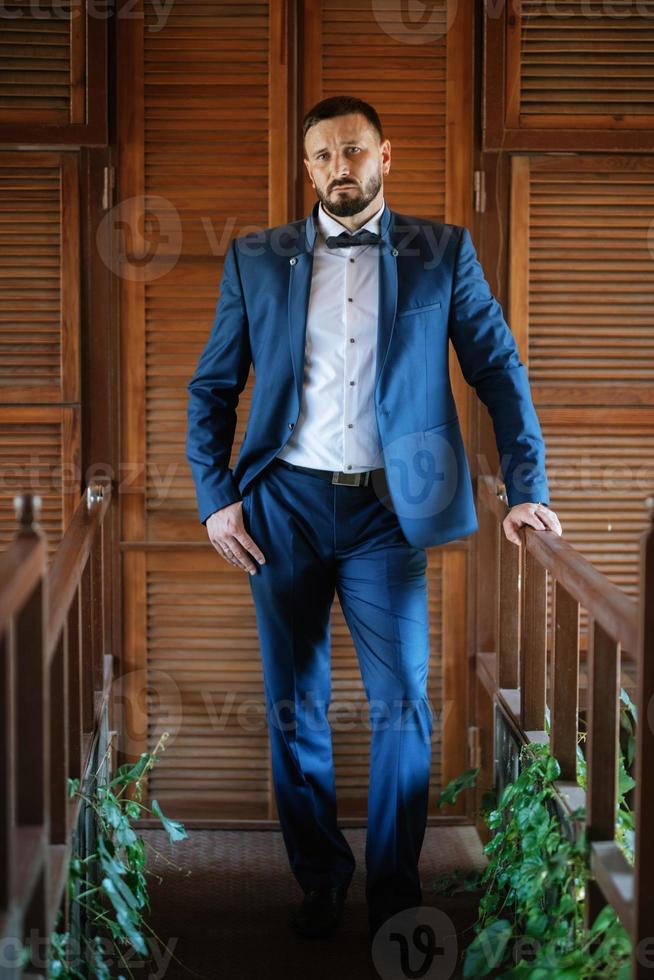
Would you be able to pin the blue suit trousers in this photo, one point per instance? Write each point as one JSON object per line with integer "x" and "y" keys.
{"x": 318, "y": 537}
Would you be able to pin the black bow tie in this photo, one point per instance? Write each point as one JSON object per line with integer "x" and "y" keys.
{"x": 343, "y": 240}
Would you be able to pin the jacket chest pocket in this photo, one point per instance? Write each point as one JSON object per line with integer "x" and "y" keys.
{"x": 418, "y": 310}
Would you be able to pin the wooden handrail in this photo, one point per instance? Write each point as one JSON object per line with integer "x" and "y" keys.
{"x": 56, "y": 675}
{"x": 603, "y": 600}
{"x": 515, "y": 675}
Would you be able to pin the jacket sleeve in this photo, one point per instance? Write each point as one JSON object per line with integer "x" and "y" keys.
{"x": 214, "y": 391}
{"x": 490, "y": 362}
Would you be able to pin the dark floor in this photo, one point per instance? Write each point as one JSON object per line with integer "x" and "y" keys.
{"x": 224, "y": 900}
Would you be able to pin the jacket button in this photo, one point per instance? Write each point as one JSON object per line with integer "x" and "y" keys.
{"x": 291, "y": 424}
{"x": 293, "y": 260}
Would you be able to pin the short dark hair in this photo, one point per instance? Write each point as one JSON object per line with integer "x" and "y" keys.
{"x": 341, "y": 105}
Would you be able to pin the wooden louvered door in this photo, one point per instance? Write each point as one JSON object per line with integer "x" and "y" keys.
{"x": 53, "y": 82}
{"x": 200, "y": 140}
{"x": 209, "y": 110}
{"x": 407, "y": 70}
{"x": 583, "y": 297}
{"x": 569, "y": 75}
{"x": 39, "y": 337}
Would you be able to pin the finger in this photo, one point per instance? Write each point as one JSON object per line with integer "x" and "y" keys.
{"x": 549, "y": 518}
{"x": 242, "y": 556}
{"x": 227, "y": 554}
{"x": 510, "y": 531}
{"x": 250, "y": 545}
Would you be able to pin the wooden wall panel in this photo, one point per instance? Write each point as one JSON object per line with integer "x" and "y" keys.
{"x": 39, "y": 336}
{"x": 574, "y": 75}
{"x": 354, "y": 46}
{"x": 36, "y": 87}
{"x": 206, "y": 149}
{"x": 205, "y": 688}
{"x": 31, "y": 450}
{"x": 209, "y": 109}
{"x": 582, "y": 290}
{"x": 53, "y": 84}
{"x": 195, "y": 124}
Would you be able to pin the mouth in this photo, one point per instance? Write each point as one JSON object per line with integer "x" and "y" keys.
{"x": 343, "y": 187}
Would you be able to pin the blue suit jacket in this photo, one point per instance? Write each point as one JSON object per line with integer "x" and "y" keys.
{"x": 431, "y": 290}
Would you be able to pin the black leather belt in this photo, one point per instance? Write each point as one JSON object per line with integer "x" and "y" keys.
{"x": 334, "y": 476}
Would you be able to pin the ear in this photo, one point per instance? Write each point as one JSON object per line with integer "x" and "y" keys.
{"x": 386, "y": 156}
{"x": 308, "y": 169}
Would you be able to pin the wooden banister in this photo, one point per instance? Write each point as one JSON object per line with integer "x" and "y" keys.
{"x": 515, "y": 675}
{"x": 55, "y": 673}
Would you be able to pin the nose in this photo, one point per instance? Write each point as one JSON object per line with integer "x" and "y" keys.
{"x": 342, "y": 165}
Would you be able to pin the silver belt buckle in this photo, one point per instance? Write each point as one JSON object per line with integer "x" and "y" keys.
{"x": 351, "y": 479}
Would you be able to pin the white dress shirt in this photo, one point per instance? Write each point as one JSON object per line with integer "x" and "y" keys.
{"x": 337, "y": 425}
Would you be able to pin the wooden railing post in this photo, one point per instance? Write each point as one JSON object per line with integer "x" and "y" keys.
{"x": 7, "y": 758}
{"x": 59, "y": 738}
{"x": 564, "y": 708}
{"x": 487, "y": 581}
{"x": 643, "y": 931}
{"x": 75, "y": 670}
{"x": 88, "y": 690}
{"x": 31, "y": 735}
{"x": 508, "y": 652}
{"x": 601, "y": 747}
{"x": 533, "y": 643}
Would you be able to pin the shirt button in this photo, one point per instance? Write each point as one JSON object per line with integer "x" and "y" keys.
{"x": 350, "y": 300}
{"x": 351, "y": 260}
{"x": 352, "y": 382}
{"x": 291, "y": 424}
{"x": 351, "y": 340}
{"x": 349, "y": 425}
{"x": 349, "y": 467}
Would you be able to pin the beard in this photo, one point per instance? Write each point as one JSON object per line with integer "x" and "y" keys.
{"x": 354, "y": 202}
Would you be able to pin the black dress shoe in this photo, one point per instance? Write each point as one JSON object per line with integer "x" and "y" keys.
{"x": 320, "y": 912}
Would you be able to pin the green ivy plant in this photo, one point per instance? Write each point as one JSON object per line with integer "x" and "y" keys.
{"x": 531, "y": 913}
{"x": 118, "y": 902}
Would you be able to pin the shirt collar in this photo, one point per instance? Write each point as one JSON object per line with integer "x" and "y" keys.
{"x": 330, "y": 226}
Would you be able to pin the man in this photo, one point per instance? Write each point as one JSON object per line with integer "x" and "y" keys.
{"x": 352, "y": 464}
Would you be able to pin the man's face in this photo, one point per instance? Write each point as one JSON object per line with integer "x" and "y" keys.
{"x": 346, "y": 163}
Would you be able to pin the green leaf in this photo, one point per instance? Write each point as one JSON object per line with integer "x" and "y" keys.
{"x": 537, "y": 924}
{"x": 111, "y": 865}
{"x": 625, "y": 782}
{"x": 552, "y": 769}
{"x": 125, "y": 915}
{"x": 130, "y": 772}
{"x": 626, "y": 700}
{"x": 603, "y": 920}
{"x": 173, "y": 828}
{"x": 486, "y": 950}
{"x": 450, "y": 792}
